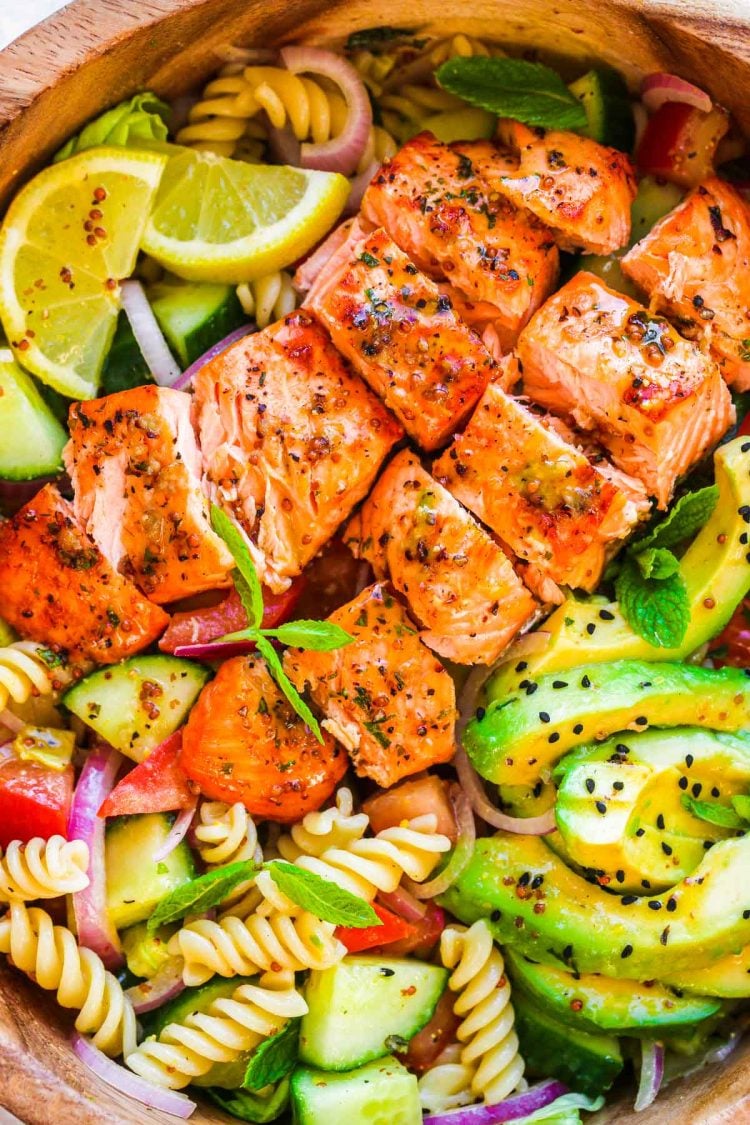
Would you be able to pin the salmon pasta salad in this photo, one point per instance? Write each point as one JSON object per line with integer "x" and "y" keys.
{"x": 374, "y": 588}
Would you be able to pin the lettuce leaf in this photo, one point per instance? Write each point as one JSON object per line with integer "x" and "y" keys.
{"x": 143, "y": 118}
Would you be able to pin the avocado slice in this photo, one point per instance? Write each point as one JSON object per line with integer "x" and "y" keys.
{"x": 553, "y": 915}
{"x": 597, "y": 1003}
{"x": 518, "y": 738}
{"x": 587, "y": 1063}
{"x": 728, "y": 977}
{"x": 642, "y": 780}
{"x": 717, "y": 578}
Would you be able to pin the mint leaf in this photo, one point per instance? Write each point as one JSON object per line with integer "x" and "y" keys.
{"x": 315, "y": 636}
{"x": 321, "y": 897}
{"x": 201, "y": 894}
{"x": 249, "y": 589}
{"x": 251, "y": 1107}
{"x": 741, "y": 805}
{"x": 657, "y": 562}
{"x": 526, "y": 91}
{"x": 657, "y": 609}
{"x": 720, "y": 815}
{"x": 687, "y": 517}
{"x": 274, "y": 1058}
{"x": 271, "y": 657}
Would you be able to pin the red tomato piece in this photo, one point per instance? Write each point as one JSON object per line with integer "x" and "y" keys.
{"x": 199, "y": 626}
{"x": 425, "y": 936}
{"x": 732, "y": 646}
{"x": 158, "y": 784}
{"x": 392, "y": 928}
{"x": 435, "y": 1036}
{"x": 34, "y": 800}
{"x": 679, "y": 143}
{"x": 428, "y": 794}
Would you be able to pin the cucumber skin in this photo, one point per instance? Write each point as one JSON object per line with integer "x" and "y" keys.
{"x": 142, "y": 882}
{"x": 124, "y": 367}
{"x": 190, "y": 331}
{"x": 318, "y": 1097}
{"x": 586, "y": 1062}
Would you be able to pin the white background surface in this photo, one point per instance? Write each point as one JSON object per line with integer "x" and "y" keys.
{"x": 16, "y": 16}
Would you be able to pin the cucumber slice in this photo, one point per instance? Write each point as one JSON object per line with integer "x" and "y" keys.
{"x": 609, "y": 111}
{"x": 124, "y": 367}
{"x": 135, "y": 705}
{"x": 136, "y": 882}
{"x": 381, "y": 1093}
{"x": 194, "y": 317}
{"x": 586, "y": 1062}
{"x": 361, "y": 1006}
{"x": 32, "y": 438}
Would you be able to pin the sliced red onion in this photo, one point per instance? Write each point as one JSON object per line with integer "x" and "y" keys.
{"x": 97, "y": 779}
{"x": 168, "y": 1101}
{"x": 149, "y": 337}
{"x": 310, "y": 270}
{"x": 461, "y": 854}
{"x": 216, "y": 349}
{"x": 472, "y": 785}
{"x": 360, "y": 184}
{"x": 403, "y": 903}
{"x": 652, "y": 1073}
{"x": 342, "y": 153}
{"x": 15, "y": 493}
{"x": 656, "y": 89}
{"x": 164, "y": 986}
{"x": 11, "y": 721}
{"x": 177, "y": 832}
{"x": 519, "y": 1105}
{"x": 215, "y": 650}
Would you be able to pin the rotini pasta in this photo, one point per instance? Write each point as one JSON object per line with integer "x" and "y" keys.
{"x": 269, "y": 298}
{"x": 464, "y": 46}
{"x": 43, "y": 869}
{"x": 51, "y": 955}
{"x": 184, "y": 1051}
{"x": 22, "y": 673}
{"x": 401, "y": 109}
{"x": 490, "y": 1066}
{"x": 227, "y": 834}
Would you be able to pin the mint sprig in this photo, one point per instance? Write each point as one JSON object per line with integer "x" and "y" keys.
{"x": 526, "y": 91}
{"x": 274, "y": 1058}
{"x": 316, "y": 636}
{"x": 202, "y": 893}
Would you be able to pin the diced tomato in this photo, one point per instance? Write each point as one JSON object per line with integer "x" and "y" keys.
{"x": 34, "y": 800}
{"x": 425, "y": 937}
{"x": 158, "y": 784}
{"x": 434, "y": 1037}
{"x": 428, "y": 794}
{"x": 679, "y": 143}
{"x": 199, "y": 626}
{"x": 392, "y": 928}
{"x": 732, "y": 646}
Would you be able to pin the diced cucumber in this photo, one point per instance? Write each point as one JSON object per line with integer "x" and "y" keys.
{"x": 654, "y": 200}
{"x": 608, "y": 108}
{"x": 31, "y": 438}
{"x": 135, "y": 705}
{"x": 124, "y": 367}
{"x": 136, "y": 882}
{"x": 381, "y": 1093}
{"x": 145, "y": 953}
{"x": 362, "y": 1006}
{"x": 194, "y": 316}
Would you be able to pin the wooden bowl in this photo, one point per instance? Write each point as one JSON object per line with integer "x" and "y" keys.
{"x": 95, "y": 53}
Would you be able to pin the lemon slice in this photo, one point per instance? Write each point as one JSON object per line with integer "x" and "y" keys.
{"x": 224, "y": 220}
{"x": 67, "y": 240}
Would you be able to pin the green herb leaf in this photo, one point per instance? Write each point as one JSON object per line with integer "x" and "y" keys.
{"x": 709, "y": 811}
{"x": 249, "y": 589}
{"x": 741, "y": 805}
{"x": 201, "y": 893}
{"x": 251, "y": 1107}
{"x": 657, "y": 562}
{"x": 274, "y": 1058}
{"x": 321, "y": 897}
{"x": 687, "y": 517}
{"x": 315, "y": 636}
{"x": 657, "y": 609}
{"x": 271, "y": 657}
{"x": 526, "y": 91}
{"x": 369, "y": 38}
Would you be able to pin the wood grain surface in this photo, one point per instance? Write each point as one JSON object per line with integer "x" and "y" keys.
{"x": 96, "y": 52}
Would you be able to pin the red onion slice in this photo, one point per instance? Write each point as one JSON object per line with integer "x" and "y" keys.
{"x": 403, "y": 903}
{"x": 360, "y": 184}
{"x": 215, "y": 650}
{"x": 521, "y": 825}
{"x": 168, "y": 1101}
{"x": 149, "y": 337}
{"x": 165, "y": 985}
{"x": 11, "y": 721}
{"x": 216, "y": 349}
{"x": 519, "y": 1105}
{"x": 344, "y": 152}
{"x": 656, "y": 89}
{"x": 461, "y": 854}
{"x": 97, "y": 779}
{"x": 177, "y": 832}
{"x": 652, "y": 1073}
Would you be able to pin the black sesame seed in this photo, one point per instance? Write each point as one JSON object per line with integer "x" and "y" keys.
{"x": 628, "y": 900}
{"x": 591, "y": 628}
{"x": 654, "y": 904}
{"x": 641, "y": 721}
{"x": 683, "y": 783}
{"x": 626, "y": 952}
{"x": 640, "y": 831}
{"x": 525, "y": 879}
{"x": 606, "y": 615}
{"x": 621, "y": 748}
{"x": 620, "y": 876}
{"x": 671, "y": 905}
{"x": 619, "y": 786}
{"x": 496, "y": 915}
{"x": 480, "y": 713}
{"x": 544, "y": 716}
{"x": 746, "y": 914}
{"x": 708, "y": 844}
{"x": 522, "y": 665}
{"x": 567, "y": 953}
{"x": 590, "y": 784}
{"x": 601, "y": 807}
{"x": 585, "y": 682}
{"x": 660, "y": 821}
{"x": 715, "y": 792}
{"x": 524, "y": 683}
{"x": 664, "y": 935}
{"x": 645, "y": 883}
{"x": 745, "y": 447}
{"x": 557, "y": 684}
{"x": 531, "y": 689}
{"x": 385, "y": 972}
{"x": 697, "y": 789}
{"x": 689, "y": 759}
{"x": 743, "y": 538}
{"x": 578, "y": 728}
{"x": 536, "y": 882}
{"x": 554, "y": 737}
{"x": 666, "y": 848}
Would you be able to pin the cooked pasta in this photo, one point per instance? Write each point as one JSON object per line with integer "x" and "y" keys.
{"x": 229, "y": 1027}
{"x": 490, "y": 1066}
{"x": 404, "y": 108}
{"x": 464, "y": 46}
{"x": 23, "y": 673}
{"x": 225, "y": 119}
{"x": 380, "y": 146}
{"x": 226, "y": 834}
{"x": 43, "y": 869}
{"x": 269, "y": 298}
{"x": 51, "y": 955}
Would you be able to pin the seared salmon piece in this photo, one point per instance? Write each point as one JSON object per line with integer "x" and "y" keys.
{"x": 386, "y": 697}
{"x": 136, "y": 469}
{"x": 695, "y": 265}
{"x": 402, "y": 335}
{"x": 459, "y": 584}
{"x": 652, "y": 399}
{"x": 580, "y": 189}
{"x": 60, "y": 590}
{"x": 543, "y": 498}
{"x": 291, "y": 441}
{"x": 501, "y": 261}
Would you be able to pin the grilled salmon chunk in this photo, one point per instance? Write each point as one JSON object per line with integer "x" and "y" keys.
{"x": 386, "y": 697}
{"x": 291, "y": 441}
{"x": 459, "y": 584}
{"x": 60, "y": 590}
{"x": 135, "y": 468}
{"x": 654, "y": 400}
{"x": 539, "y": 493}
{"x": 695, "y": 265}
{"x": 402, "y": 335}
{"x": 500, "y": 260}
{"x": 580, "y": 189}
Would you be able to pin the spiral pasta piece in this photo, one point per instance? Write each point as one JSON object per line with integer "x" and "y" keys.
{"x": 226, "y": 834}
{"x": 268, "y": 298}
{"x": 401, "y": 109}
{"x": 51, "y": 955}
{"x": 460, "y": 46}
{"x": 22, "y": 673}
{"x": 380, "y": 146}
{"x": 43, "y": 868}
{"x": 490, "y": 1066}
